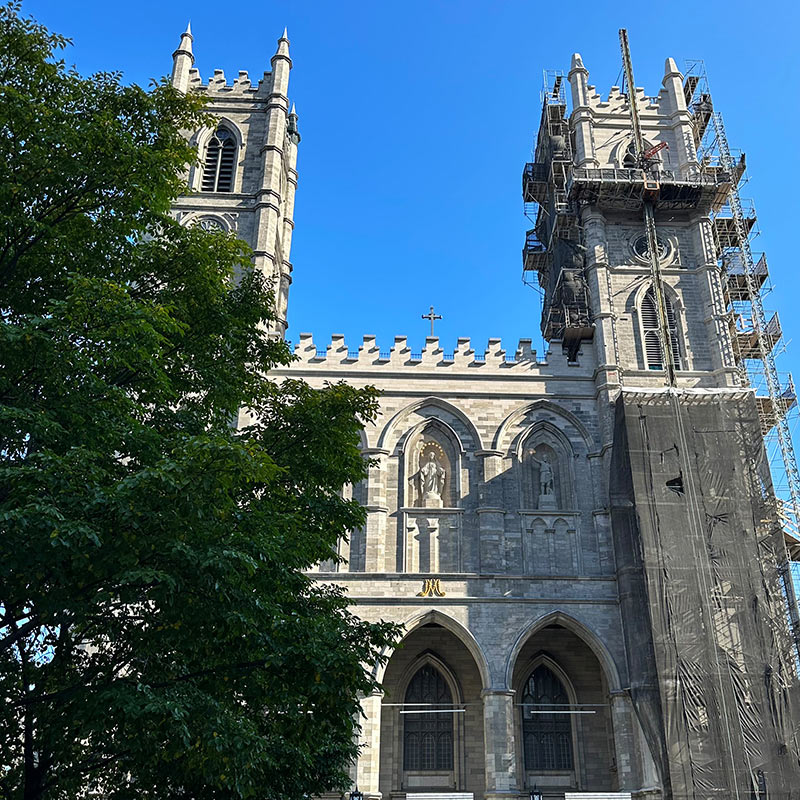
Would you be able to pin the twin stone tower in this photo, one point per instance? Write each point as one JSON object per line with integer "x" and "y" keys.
{"x": 585, "y": 555}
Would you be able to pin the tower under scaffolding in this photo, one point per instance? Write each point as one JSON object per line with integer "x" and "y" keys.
{"x": 756, "y": 333}
{"x": 554, "y": 188}
{"x": 643, "y": 251}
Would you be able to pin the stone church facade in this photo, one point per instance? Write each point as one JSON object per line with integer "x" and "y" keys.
{"x": 577, "y": 553}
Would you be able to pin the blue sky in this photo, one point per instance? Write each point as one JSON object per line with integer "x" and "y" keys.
{"x": 417, "y": 118}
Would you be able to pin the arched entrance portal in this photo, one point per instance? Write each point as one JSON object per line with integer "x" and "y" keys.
{"x": 432, "y": 716}
{"x": 563, "y": 715}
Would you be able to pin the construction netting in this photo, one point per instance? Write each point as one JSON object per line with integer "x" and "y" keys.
{"x": 705, "y": 592}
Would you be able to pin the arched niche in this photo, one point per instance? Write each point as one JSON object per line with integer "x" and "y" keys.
{"x": 432, "y": 466}
{"x": 545, "y": 469}
{"x": 542, "y": 686}
{"x": 640, "y": 305}
{"x": 446, "y": 657}
{"x": 560, "y": 419}
{"x": 580, "y": 689}
{"x": 430, "y": 408}
{"x": 581, "y": 631}
{"x": 453, "y": 626}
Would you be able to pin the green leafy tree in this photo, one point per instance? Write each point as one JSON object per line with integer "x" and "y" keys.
{"x": 158, "y": 635}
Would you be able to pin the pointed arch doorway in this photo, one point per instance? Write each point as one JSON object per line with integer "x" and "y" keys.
{"x": 563, "y": 714}
{"x": 432, "y": 717}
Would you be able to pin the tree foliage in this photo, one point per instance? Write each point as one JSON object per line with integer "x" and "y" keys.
{"x": 158, "y": 636}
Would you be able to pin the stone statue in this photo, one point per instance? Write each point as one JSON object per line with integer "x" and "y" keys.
{"x": 573, "y": 297}
{"x": 432, "y": 476}
{"x": 572, "y": 288}
{"x": 547, "y": 497}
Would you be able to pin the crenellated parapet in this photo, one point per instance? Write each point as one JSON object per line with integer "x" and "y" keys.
{"x": 368, "y": 353}
{"x": 219, "y": 87}
{"x": 617, "y": 102}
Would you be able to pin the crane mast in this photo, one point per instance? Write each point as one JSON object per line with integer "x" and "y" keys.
{"x": 649, "y": 213}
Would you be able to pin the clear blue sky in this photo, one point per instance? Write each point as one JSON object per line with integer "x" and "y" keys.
{"x": 417, "y": 118}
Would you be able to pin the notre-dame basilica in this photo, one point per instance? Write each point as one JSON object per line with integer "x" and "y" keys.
{"x": 582, "y": 544}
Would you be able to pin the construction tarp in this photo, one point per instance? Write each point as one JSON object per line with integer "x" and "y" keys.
{"x": 700, "y": 554}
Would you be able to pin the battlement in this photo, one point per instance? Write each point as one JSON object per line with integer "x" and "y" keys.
{"x": 242, "y": 86}
{"x": 523, "y": 359}
{"x": 617, "y": 102}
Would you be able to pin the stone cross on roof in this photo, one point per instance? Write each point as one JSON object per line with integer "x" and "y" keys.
{"x": 432, "y": 317}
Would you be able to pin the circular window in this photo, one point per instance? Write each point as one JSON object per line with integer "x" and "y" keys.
{"x": 210, "y": 224}
{"x": 641, "y": 248}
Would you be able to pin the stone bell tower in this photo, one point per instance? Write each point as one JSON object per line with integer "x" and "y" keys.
{"x": 589, "y": 245}
{"x": 641, "y": 245}
{"x": 246, "y": 177}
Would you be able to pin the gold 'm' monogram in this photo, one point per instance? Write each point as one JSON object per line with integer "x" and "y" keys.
{"x": 431, "y": 588}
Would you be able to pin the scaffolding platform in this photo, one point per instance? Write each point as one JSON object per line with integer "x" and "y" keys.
{"x": 737, "y": 279}
{"x": 747, "y": 337}
{"x": 535, "y": 183}
{"x": 570, "y": 335}
{"x": 725, "y": 234}
{"x": 534, "y": 255}
{"x": 739, "y": 167}
{"x": 786, "y": 402}
{"x": 702, "y": 114}
{"x": 625, "y": 189}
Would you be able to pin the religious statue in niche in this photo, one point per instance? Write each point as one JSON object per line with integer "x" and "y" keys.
{"x": 432, "y": 475}
{"x": 430, "y": 480}
{"x": 547, "y": 482}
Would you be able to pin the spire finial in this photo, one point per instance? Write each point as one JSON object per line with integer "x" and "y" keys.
{"x": 183, "y": 60}
{"x": 186, "y": 41}
{"x": 285, "y": 34}
{"x": 671, "y": 68}
{"x": 283, "y": 46}
{"x": 291, "y": 127}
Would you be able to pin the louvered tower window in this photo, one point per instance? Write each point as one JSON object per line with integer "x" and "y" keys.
{"x": 220, "y": 162}
{"x": 650, "y": 329}
{"x": 428, "y": 737}
{"x": 546, "y": 736}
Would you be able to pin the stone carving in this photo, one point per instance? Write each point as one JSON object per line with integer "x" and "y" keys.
{"x": 574, "y": 298}
{"x": 547, "y": 481}
{"x": 432, "y": 476}
{"x": 211, "y": 224}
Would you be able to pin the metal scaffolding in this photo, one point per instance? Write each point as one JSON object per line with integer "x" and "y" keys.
{"x": 756, "y": 334}
{"x": 554, "y": 188}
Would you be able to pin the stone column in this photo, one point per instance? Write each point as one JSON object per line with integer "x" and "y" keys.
{"x": 499, "y": 744}
{"x": 183, "y": 61}
{"x": 581, "y": 114}
{"x": 267, "y": 251}
{"x": 376, "y": 557}
{"x": 680, "y": 119}
{"x": 491, "y": 514}
{"x": 609, "y": 372}
{"x": 369, "y": 760}
{"x": 628, "y": 772}
{"x": 709, "y": 283}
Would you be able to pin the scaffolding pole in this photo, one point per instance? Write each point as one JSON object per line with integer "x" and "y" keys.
{"x": 649, "y": 216}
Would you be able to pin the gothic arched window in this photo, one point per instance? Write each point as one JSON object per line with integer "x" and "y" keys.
{"x": 219, "y": 162}
{"x": 651, "y": 335}
{"x": 629, "y": 159}
{"x": 546, "y": 736}
{"x": 428, "y": 737}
